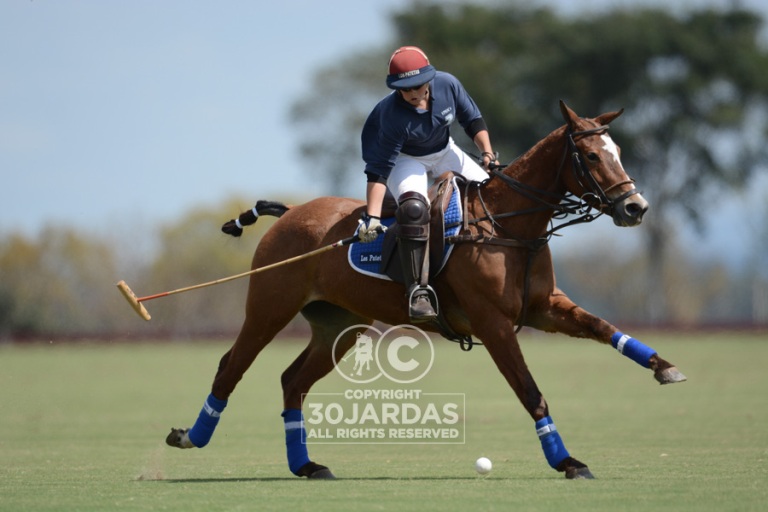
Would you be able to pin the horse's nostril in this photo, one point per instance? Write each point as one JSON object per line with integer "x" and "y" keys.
{"x": 635, "y": 210}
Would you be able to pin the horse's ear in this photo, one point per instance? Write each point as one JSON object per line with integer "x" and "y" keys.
{"x": 568, "y": 115}
{"x": 606, "y": 118}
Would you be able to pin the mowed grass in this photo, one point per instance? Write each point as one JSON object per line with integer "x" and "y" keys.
{"x": 82, "y": 427}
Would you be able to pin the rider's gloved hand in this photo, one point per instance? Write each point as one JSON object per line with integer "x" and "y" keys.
{"x": 370, "y": 227}
{"x": 487, "y": 160}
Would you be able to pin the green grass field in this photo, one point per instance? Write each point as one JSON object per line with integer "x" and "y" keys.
{"x": 82, "y": 427}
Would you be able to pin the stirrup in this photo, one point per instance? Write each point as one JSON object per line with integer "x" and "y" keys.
{"x": 420, "y": 304}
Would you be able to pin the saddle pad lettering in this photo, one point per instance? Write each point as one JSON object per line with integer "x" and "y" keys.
{"x": 366, "y": 258}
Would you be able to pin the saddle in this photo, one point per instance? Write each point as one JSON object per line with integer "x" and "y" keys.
{"x": 440, "y": 195}
{"x": 379, "y": 258}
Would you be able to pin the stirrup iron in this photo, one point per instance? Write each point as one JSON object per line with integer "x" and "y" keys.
{"x": 422, "y": 303}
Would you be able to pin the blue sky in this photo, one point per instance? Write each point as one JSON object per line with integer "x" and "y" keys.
{"x": 150, "y": 108}
{"x": 113, "y": 111}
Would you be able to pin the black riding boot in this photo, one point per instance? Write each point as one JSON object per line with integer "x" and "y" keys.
{"x": 415, "y": 265}
{"x": 413, "y": 239}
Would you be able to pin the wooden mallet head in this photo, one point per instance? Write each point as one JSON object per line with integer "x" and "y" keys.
{"x": 133, "y": 301}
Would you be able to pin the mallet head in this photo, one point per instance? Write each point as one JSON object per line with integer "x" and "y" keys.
{"x": 131, "y": 298}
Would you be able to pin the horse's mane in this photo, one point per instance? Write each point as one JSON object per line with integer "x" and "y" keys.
{"x": 543, "y": 146}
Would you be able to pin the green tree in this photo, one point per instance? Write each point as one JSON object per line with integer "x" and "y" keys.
{"x": 693, "y": 85}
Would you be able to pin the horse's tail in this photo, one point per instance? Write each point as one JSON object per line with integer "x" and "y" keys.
{"x": 235, "y": 227}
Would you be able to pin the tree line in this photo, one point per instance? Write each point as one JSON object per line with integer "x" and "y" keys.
{"x": 61, "y": 282}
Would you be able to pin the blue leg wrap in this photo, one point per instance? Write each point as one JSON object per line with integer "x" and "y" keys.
{"x": 206, "y": 422}
{"x": 633, "y": 349}
{"x": 295, "y": 439}
{"x": 551, "y": 443}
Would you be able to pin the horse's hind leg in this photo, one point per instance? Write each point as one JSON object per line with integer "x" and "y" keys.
{"x": 316, "y": 361}
{"x": 261, "y": 325}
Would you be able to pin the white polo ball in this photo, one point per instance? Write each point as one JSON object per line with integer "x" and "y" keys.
{"x": 483, "y": 465}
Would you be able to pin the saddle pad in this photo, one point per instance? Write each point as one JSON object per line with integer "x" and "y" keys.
{"x": 366, "y": 258}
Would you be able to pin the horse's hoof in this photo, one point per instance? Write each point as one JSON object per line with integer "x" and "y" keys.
{"x": 322, "y": 474}
{"x": 179, "y": 438}
{"x": 574, "y": 469}
{"x": 669, "y": 375}
{"x": 582, "y": 473}
{"x": 315, "y": 471}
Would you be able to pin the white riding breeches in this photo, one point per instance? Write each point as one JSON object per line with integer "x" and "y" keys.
{"x": 413, "y": 173}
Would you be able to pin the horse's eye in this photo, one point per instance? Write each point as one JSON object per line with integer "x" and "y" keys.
{"x": 592, "y": 157}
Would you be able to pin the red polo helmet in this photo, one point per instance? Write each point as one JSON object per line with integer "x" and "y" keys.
{"x": 409, "y": 67}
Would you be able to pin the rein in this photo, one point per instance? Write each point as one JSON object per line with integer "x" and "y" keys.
{"x": 587, "y": 208}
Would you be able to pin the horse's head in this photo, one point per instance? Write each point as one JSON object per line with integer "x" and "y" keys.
{"x": 598, "y": 176}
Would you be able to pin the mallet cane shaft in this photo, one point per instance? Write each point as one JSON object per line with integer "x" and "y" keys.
{"x": 136, "y": 302}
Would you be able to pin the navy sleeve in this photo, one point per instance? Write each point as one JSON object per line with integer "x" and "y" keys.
{"x": 466, "y": 109}
{"x": 381, "y": 144}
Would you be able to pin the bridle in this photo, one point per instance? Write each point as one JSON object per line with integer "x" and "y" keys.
{"x": 585, "y": 178}
{"x": 586, "y": 208}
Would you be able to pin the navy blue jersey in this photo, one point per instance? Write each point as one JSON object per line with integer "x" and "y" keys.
{"x": 394, "y": 126}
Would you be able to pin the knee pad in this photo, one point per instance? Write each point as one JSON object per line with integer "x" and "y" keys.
{"x": 413, "y": 216}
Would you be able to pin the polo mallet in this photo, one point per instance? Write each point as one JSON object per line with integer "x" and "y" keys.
{"x": 136, "y": 302}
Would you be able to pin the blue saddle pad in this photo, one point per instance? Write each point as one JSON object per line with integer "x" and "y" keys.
{"x": 366, "y": 258}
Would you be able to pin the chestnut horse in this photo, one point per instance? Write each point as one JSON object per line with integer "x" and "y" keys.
{"x": 499, "y": 277}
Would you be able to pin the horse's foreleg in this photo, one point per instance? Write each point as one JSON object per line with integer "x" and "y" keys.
{"x": 560, "y": 314}
{"x": 503, "y": 347}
